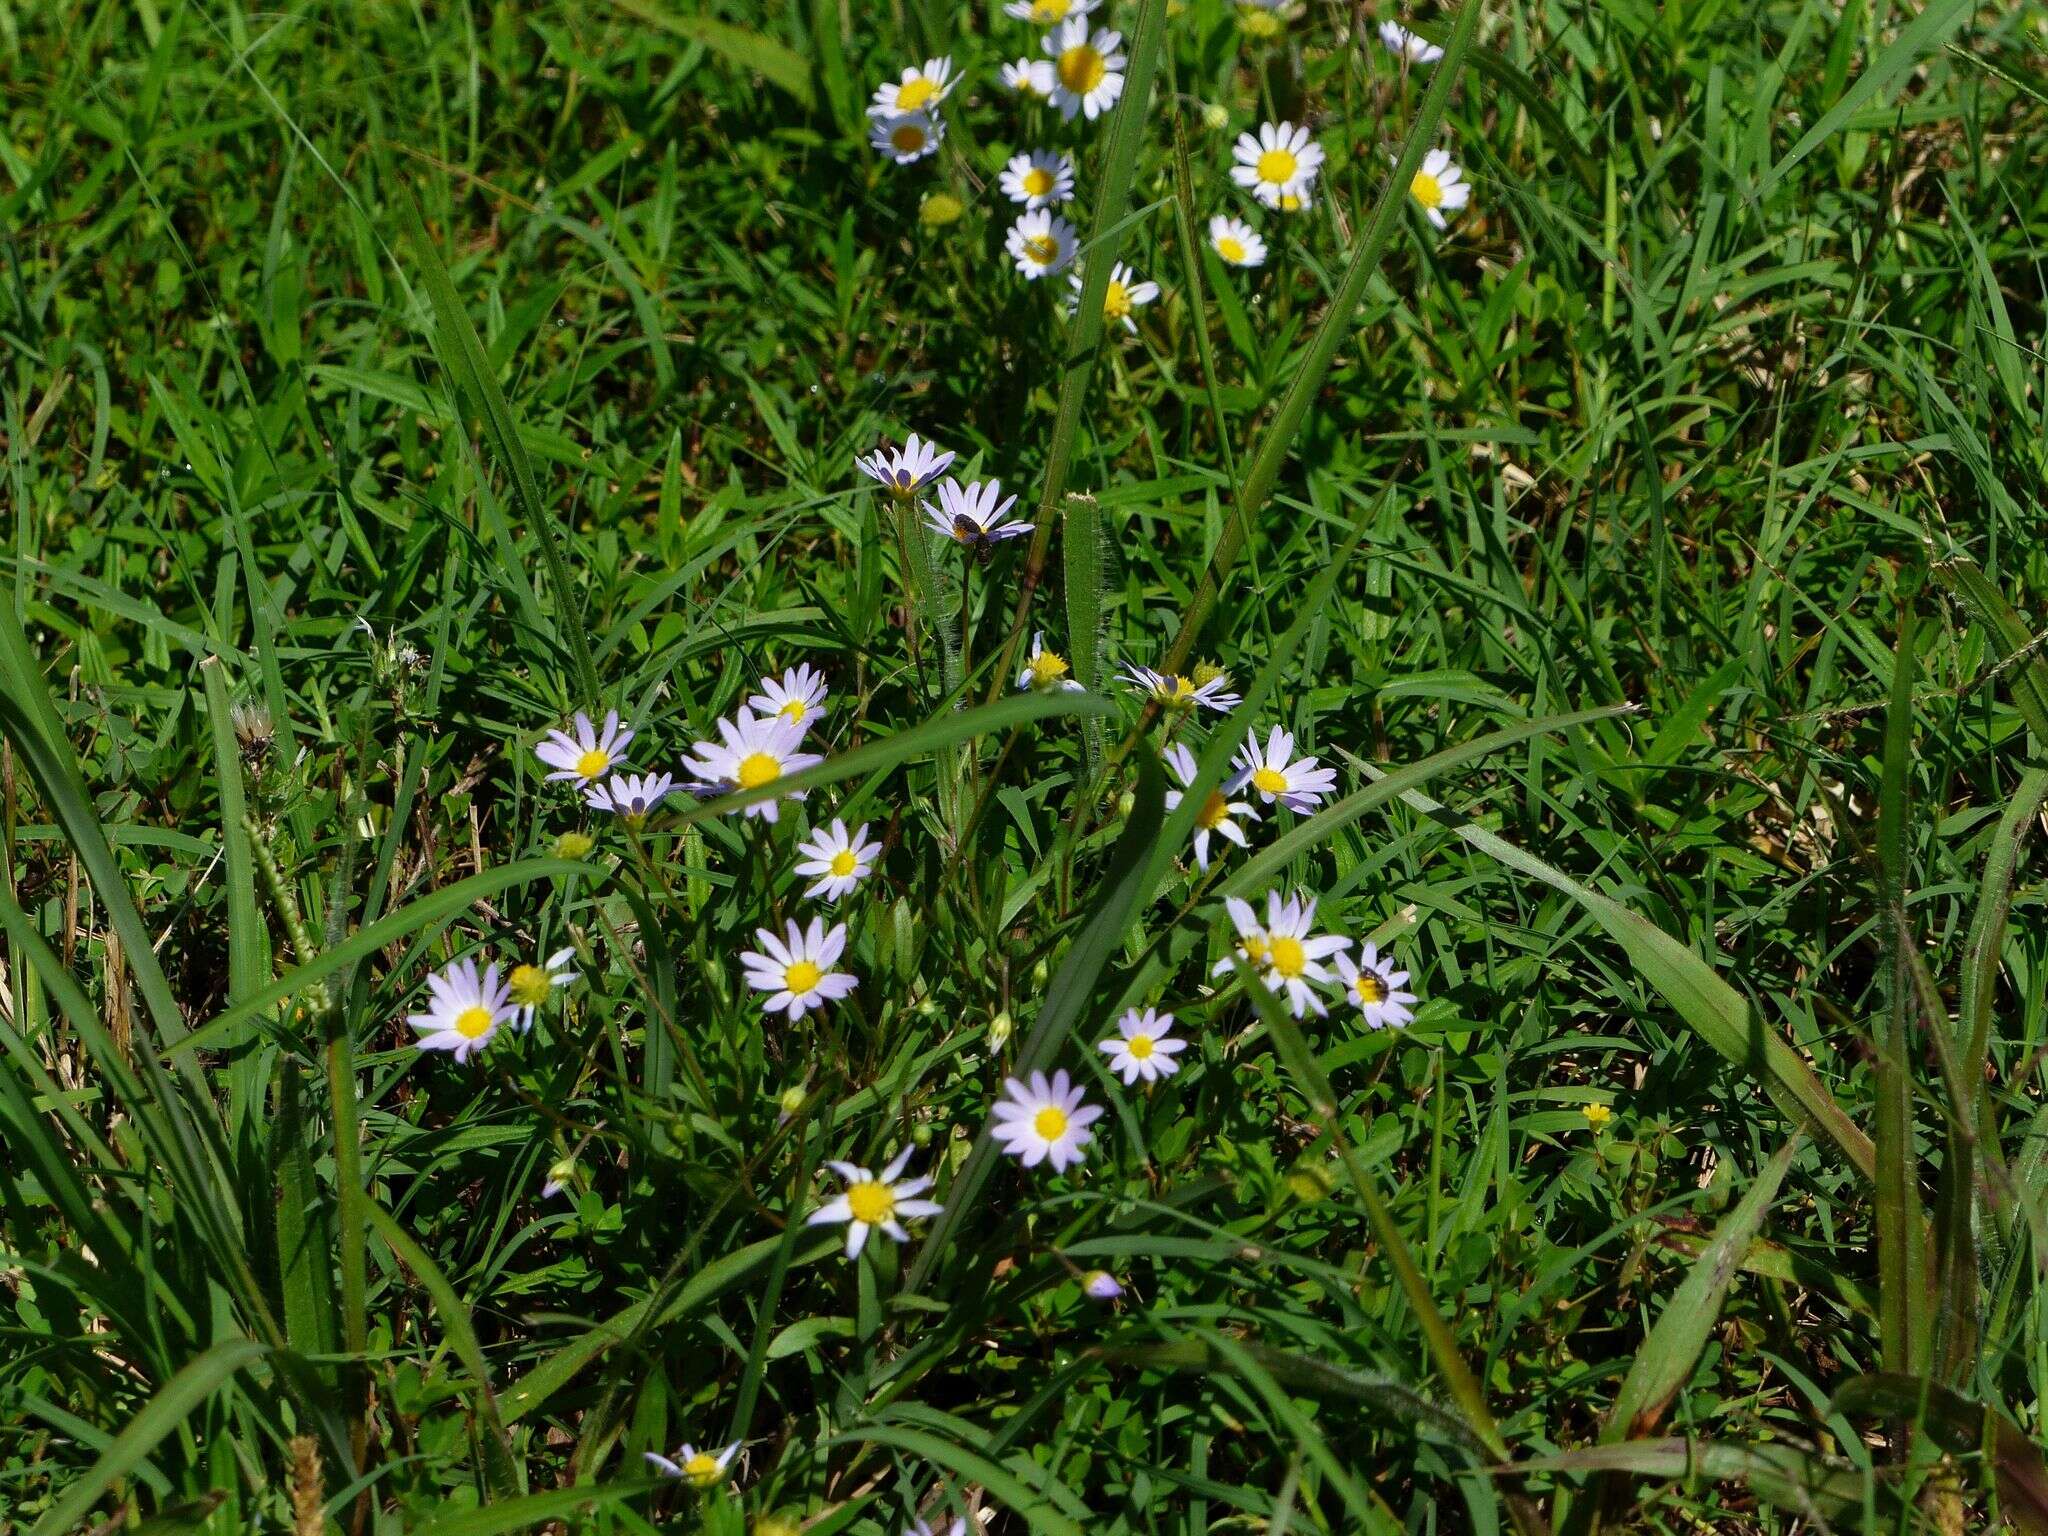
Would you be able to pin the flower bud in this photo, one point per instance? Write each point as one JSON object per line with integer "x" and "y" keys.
{"x": 999, "y": 1029}
{"x": 939, "y": 210}
{"x": 574, "y": 845}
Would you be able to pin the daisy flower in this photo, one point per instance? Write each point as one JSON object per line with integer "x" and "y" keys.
{"x": 971, "y": 515}
{"x": 1400, "y": 41}
{"x": 875, "y": 1200}
{"x": 530, "y": 986}
{"x": 905, "y": 471}
{"x": 840, "y": 860}
{"x": 1038, "y": 179}
{"x": 589, "y": 754}
{"x": 752, "y": 752}
{"x": 797, "y": 968}
{"x": 1236, "y": 242}
{"x": 797, "y": 695}
{"x": 1048, "y": 13}
{"x": 464, "y": 1008}
{"x": 908, "y": 138}
{"x": 1179, "y": 694}
{"x": 1439, "y": 185}
{"x": 922, "y": 88}
{"x": 629, "y": 795}
{"x": 1277, "y": 774}
{"x": 1143, "y": 1047}
{"x": 1216, "y": 812}
{"x": 1121, "y": 296}
{"x": 700, "y": 1469}
{"x": 1045, "y": 671}
{"x": 1030, "y": 77}
{"x": 1040, "y": 1121}
{"x": 1040, "y": 242}
{"x": 1373, "y": 983}
{"x": 1088, "y": 72}
{"x": 1280, "y": 162}
{"x": 1284, "y": 950}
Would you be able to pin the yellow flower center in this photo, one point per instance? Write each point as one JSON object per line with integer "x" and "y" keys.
{"x": 1116, "y": 301}
{"x": 531, "y": 986}
{"x": 1277, "y": 166}
{"x": 1037, "y": 181}
{"x": 758, "y": 768}
{"x": 701, "y": 1469}
{"x": 1081, "y": 69}
{"x": 1288, "y": 956}
{"x": 473, "y": 1022}
{"x": 1175, "y": 693}
{"x": 872, "y": 1202}
{"x": 1289, "y": 203}
{"x": 844, "y": 863}
{"x": 1370, "y": 986}
{"x": 1230, "y": 248}
{"x": 1254, "y": 947}
{"x": 1047, "y": 668}
{"x": 1214, "y": 812}
{"x": 1259, "y": 23}
{"x": 1139, "y": 1047}
{"x": 1269, "y": 781}
{"x": 1043, "y": 11}
{"x": 1050, "y": 1122}
{"x": 1427, "y": 190}
{"x": 592, "y": 764}
{"x": 803, "y": 976}
{"x": 1042, "y": 249}
{"x": 915, "y": 94}
{"x": 906, "y": 138}
{"x": 793, "y": 711}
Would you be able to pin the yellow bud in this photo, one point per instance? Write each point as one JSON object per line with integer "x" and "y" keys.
{"x": 1206, "y": 673}
{"x": 939, "y": 210}
{"x": 777, "y": 1525}
{"x": 1215, "y": 117}
{"x": 999, "y": 1029}
{"x": 574, "y": 845}
{"x": 792, "y": 1100}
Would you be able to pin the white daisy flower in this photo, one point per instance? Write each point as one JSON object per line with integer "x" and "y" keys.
{"x": 1405, "y": 44}
{"x": 921, "y": 89}
{"x": 1284, "y": 950}
{"x": 1031, "y": 77}
{"x": 971, "y": 515}
{"x": 1144, "y": 1046}
{"x": 1374, "y": 984}
{"x": 841, "y": 860}
{"x": 797, "y": 968}
{"x": 1045, "y": 671}
{"x": 752, "y": 752}
{"x": 1236, "y": 242}
{"x": 905, "y": 471}
{"x": 464, "y": 1008}
{"x": 1038, "y": 179}
{"x": 1438, "y": 186}
{"x": 530, "y": 986}
{"x": 795, "y": 696}
{"x": 589, "y": 754}
{"x": 1215, "y": 816}
{"x": 1277, "y": 774}
{"x": 1088, "y": 71}
{"x": 875, "y": 1200}
{"x": 630, "y": 795}
{"x": 1048, "y": 13}
{"x": 1180, "y": 694}
{"x": 1040, "y": 242}
{"x": 1123, "y": 295}
{"x": 700, "y": 1469}
{"x": 1280, "y": 162}
{"x": 1042, "y": 1121}
{"x": 908, "y": 138}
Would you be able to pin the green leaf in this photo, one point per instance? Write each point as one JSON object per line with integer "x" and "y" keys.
{"x": 750, "y": 50}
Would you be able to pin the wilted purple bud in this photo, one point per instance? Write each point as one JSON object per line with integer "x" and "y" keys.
{"x": 1101, "y": 1284}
